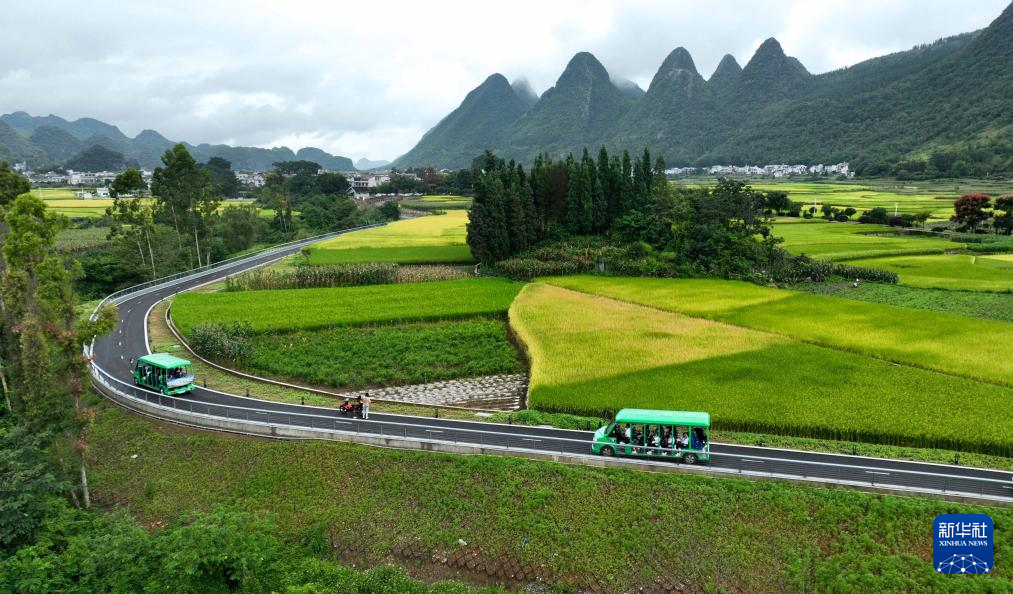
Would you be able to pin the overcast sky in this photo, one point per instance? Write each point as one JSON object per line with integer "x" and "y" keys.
{"x": 368, "y": 79}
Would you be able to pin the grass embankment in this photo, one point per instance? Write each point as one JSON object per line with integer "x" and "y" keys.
{"x": 849, "y": 241}
{"x": 953, "y": 271}
{"x": 955, "y": 345}
{"x": 376, "y": 335}
{"x": 986, "y": 306}
{"x": 437, "y": 239}
{"x": 620, "y": 528}
{"x": 592, "y": 355}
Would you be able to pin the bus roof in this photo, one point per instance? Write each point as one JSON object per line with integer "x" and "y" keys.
{"x": 163, "y": 360}
{"x": 664, "y": 417}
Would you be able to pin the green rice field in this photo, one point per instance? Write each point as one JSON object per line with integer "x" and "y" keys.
{"x": 303, "y": 309}
{"x": 952, "y": 271}
{"x": 930, "y": 196}
{"x": 955, "y": 345}
{"x": 849, "y": 241}
{"x": 387, "y": 355}
{"x": 592, "y": 354}
{"x": 438, "y": 203}
{"x": 437, "y": 239}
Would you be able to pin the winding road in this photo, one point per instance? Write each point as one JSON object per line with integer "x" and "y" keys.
{"x": 112, "y": 354}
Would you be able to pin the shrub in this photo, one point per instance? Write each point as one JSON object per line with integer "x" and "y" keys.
{"x": 229, "y": 342}
{"x": 803, "y": 268}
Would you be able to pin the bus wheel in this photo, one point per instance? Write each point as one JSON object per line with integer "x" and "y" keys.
{"x": 689, "y": 458}
{"x": 608, "y": 452}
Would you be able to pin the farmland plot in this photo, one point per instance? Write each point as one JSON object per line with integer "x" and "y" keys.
{"x": 424, "y": 240}
{"x": 593, "y": 355}
{"x": 303, "y": 309}
{"x": 956, "y": 345}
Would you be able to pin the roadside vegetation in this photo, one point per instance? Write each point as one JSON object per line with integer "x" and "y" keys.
{"x": 567, "y": 524}
{"x": 592, "y": 355}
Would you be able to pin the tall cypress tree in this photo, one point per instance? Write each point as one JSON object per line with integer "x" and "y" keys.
{"x": 517, "y": 225}
{"x": 626, "y": 191}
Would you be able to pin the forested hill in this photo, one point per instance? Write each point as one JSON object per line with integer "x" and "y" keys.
{"x": 52, "y": 140}
{"x": 947, "y": 104}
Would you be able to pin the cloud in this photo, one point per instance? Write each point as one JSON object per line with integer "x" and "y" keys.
{"x": 369, "y": 81}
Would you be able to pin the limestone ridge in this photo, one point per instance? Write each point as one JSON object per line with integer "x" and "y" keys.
{"x": 771, "y": 110}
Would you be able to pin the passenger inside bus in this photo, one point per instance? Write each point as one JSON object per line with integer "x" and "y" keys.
{"x": 685, "y": 440}
{"x": 698, "y": 438}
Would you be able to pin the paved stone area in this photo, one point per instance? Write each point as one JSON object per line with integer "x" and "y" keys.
{"x": 495, "y": 392}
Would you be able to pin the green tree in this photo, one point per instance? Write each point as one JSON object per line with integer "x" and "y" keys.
{"x": 223, "y": 178}
{"x": 969, "y": 211}
{"x": 28, "y": 483}
{"x": 1004, "y": 222}
{"x": 186, "y": 199}
{"x": 12, "y": 184}
{"x": 43, "y": 336}
{"x": 129, "y": 182}
{"x": 134, "y": 221}
{"x": 297, "y": 167}
{"x": 390, "y": 211}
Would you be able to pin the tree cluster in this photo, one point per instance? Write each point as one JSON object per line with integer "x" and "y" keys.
{"x": 186, "y": 224}
{"x": 971, "y": 213}
{"x": 625, "y": 200}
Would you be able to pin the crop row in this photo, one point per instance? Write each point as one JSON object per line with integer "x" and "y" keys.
{"x": 592, "y": 355}
{"x": 978, "y": 349}
{"x": 302, "y": 309}
{"x": 343, "y": 275}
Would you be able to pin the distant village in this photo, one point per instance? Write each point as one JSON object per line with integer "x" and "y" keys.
{"x": 777, "y": 171}
{"x": 362, "y": 185}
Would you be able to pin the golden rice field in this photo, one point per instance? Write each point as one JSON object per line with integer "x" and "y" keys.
{"x": 955, "y": 345}
{"x": 592, "y": 354}
{"x": 431, "y": 239}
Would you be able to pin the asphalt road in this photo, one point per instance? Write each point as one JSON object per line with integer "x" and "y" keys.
{"x": 114, "y": 351}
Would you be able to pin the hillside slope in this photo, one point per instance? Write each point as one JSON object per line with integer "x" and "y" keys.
{"x": 955, "y": 94}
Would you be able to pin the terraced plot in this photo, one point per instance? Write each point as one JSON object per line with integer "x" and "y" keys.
{"x": 303, "y": 309}
{"x": 953, "y": 271}
{"x": 361, "y": 337}
{"x": 437, "y": 239}
{"x": 388, "y": 355}
{"x": 592, "y": 355}
{"x": 956, "y": 345}
{"x": 850, "y": 241}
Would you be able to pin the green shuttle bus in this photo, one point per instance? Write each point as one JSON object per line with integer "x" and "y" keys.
{"x": 164, "y": 373}
{"x": 676, "y": 435}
